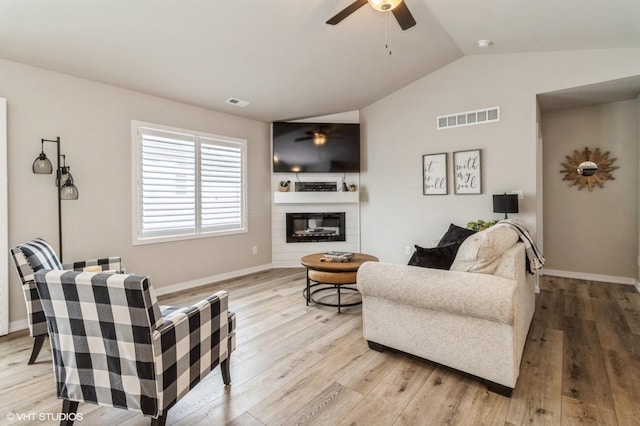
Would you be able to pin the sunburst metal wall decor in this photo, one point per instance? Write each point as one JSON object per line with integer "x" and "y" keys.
{"x": 588, "y": 168}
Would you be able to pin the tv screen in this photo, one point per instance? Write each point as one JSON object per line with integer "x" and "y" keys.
{"x": 316, "y": 147}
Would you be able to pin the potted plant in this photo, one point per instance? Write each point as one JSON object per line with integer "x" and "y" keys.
{"x": 480, "y": 225}
{"x": 284, "y": 185}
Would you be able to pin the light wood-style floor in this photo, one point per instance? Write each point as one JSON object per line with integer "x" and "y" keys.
{"x": 309, "y": 365}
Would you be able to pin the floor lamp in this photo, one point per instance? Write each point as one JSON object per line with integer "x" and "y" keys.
{"x": 64, "y": 181}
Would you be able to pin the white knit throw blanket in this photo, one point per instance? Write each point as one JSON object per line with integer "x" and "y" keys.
{"x": 534, "y": 256}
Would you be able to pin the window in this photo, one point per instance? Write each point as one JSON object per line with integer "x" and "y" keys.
{"x": 186, "y": 184}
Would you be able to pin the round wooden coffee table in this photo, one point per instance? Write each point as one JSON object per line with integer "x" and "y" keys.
{"x": 332, "y": 276}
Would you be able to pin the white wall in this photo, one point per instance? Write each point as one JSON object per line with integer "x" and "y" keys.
{"x": 592, "y": 232}
{"x": 400, "y": 128}
{"x": 638, "y": 177}
{"x": 94, "y": 123}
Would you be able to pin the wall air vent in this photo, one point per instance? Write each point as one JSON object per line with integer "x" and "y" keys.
{"x": 237, "y": 102}
{"x": 469, "y": 118}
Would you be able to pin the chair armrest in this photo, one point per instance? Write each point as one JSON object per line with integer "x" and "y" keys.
{"x": 193, "y": 336}
{"x": 112, "y": 264}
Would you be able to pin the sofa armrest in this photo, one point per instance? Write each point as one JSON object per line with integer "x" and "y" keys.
{"x": 482, "y": 296}
{"x": 197, "y": 334}
{"x": 111, "y": 264}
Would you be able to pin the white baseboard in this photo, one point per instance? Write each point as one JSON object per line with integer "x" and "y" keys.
{"x": 174, "y": 288}
{"x": 591, "y": 277}
{"x": 18, "y": 325}
{"x": 638, "y": 286}
{"x": 188, "y": 285}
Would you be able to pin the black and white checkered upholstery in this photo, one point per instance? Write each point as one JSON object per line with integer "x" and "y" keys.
{"x": 112, "y": 345}
{"x": 37, "y": 254}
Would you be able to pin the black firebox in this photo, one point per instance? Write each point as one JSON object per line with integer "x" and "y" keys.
{"x": 314, "y": 227}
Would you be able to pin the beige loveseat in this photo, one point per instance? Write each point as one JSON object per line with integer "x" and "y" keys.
{"x": 473, "y": 318}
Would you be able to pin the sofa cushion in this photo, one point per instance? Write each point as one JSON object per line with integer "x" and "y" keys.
{"x": 455, "y": 234}
{"x": 481, "y": 252}
{"x": 440, "y": 257}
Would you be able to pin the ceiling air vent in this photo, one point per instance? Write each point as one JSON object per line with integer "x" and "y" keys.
{"x": 237, "y": 102}
{"x": 469, "y": 118}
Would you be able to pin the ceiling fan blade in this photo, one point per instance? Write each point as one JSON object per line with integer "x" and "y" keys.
{"x": 346, "y": 12}
{"x": 403, "y": 16}
{"x": 306, "y": 138}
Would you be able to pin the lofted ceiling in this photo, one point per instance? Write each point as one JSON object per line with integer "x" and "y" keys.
{"x": 279, "y": 55}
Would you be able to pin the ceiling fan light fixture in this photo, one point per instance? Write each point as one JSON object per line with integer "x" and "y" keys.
{"x": 384, "y": 5}
{"x": 319, "y": 138}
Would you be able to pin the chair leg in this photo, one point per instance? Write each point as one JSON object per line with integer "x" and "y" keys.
{"x": 375, "y": 346}
{"x": 69, "y": 411}
{"x": 37, "y": 345}
{"x": 226, "y": 371}
{"x": 160, "y": 421}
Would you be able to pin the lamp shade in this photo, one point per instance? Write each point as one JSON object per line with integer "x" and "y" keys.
{"x": 69, "y": 190}
{"x": 42, "y": 165}
{"x": 384, "y": 5}
{"x": 505, "y": 203}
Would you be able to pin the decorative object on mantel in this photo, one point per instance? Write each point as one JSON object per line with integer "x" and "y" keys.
{"x": 480, "y": 225}
{"x": 467, "y": 172}
{"x": 434, "y": 174}
{"x": 64, "y": 181}
{"x": 352, "y": 187}
{"x": 588, "y": 168}
{"x": 284, "y": 185}
{"x": 505, "y": 203}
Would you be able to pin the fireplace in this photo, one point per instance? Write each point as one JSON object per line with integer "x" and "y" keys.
{"x": 314, "y": 227}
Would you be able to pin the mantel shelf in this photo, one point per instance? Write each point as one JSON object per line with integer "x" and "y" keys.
{"x": 315, "y": 197}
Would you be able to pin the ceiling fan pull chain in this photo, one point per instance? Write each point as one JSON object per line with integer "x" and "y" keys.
{"x": 386, "y": 34}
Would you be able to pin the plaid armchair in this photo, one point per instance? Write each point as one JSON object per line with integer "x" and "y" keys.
{"x": 35, "y": 255}
{"x": 113, "y": 345}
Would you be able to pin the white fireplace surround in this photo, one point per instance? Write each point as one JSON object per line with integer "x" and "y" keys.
{"x": 287, "y": 255}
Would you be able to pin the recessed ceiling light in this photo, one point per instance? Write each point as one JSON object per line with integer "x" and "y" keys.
{"x": 484, "y": 43}
{"x": 237, "y": 102}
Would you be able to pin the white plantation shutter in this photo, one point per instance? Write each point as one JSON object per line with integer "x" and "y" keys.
{"x": 168, "y": 184}
{"x": 189, "y": 185}
{"x": 221, "y": 185}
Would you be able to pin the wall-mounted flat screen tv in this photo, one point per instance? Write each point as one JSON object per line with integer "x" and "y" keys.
{"x": 316, "y": 147}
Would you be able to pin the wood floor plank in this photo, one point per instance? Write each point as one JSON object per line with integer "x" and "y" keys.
{"x": 584, "y": 375}
{"x": 437, "y": 400}
{"x": 479, "y": 406}
{"x": 623, "y": 370}
{"x": 310, "y": 365}
{"x": 550, "y": 305}
{"x": 368, "y": 372}
{"x": 577, "y": 302}
{"x": 238, "y": 398}
{"x": 581, "y": 332}
{"x": 285, "y": 402}
{"x": 613, "y": 328}
{"x": 327, "y": 408}
{"x": 629, "y": 303}
{"x": 537, "y": 396}
{"x": 385, "y": 402}
{"x": 575, "y": 412}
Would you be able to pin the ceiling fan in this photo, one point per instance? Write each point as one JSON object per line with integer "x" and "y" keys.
{"x": 319, "y": 136}
{"x": 397, "y": 7}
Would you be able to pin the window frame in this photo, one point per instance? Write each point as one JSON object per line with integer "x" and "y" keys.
{"x": 200, "y": 138}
